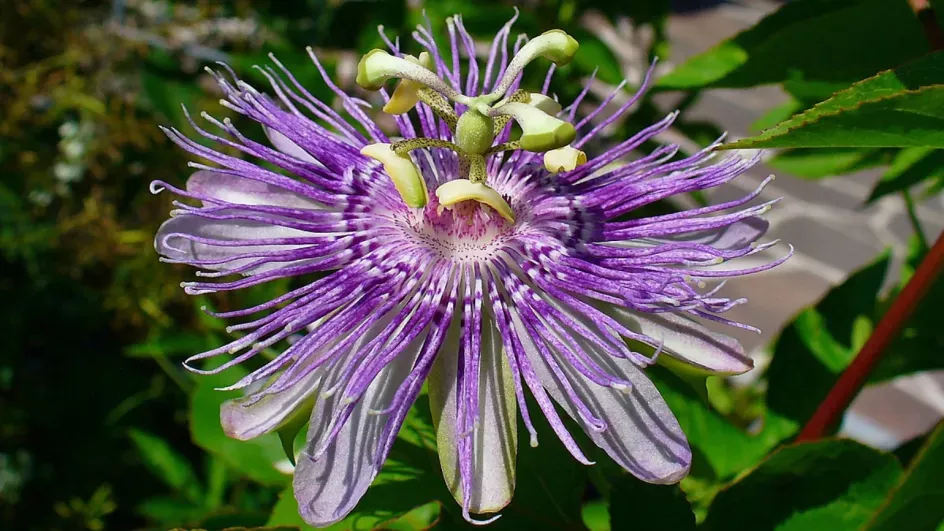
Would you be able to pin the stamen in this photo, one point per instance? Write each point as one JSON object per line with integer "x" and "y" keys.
{"x": 406, "y": 95}
{"x": 406, "y": 178}
{"x": 440, "y": 105}
{"x": 377, "y": 66}
{"x": 564, "y": 159}
{"x": 541, "y": 131}
{"x": 555, "y": 45}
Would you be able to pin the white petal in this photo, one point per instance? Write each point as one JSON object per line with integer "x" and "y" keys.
{"x": 283, "y": 144}
{"x": 495, "y": 437}
{"x": 170, "y": 244}
{"x": 246, "y": 418}
{"x": 642, "y": 434}
{"x": 686, "y": 340}
{"x": 329, "y": 488}
{"x": 242, "y": 191}
{"x": 737, "y": 235}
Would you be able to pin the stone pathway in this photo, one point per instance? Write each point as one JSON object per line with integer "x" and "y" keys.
{"x": 824, "y": 220}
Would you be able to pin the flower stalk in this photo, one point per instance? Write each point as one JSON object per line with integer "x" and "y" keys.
{"x": 830, "y": 411}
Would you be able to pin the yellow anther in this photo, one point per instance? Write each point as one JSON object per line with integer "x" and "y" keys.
{"x": 539, "y": 131}
{"x": 564, "y": 159}
{"x": 406, "y": 95}
{"x": 459, "y": 190}
{"x": 404, "y": 174}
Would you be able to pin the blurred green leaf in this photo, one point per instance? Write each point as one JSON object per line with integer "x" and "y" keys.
{"x": 171, "y": 467}
{"x": 550, "y": 482}
{"x": 173, "y": 342}
{"x": 919, "y": 345}
{"x": 165, "y": 95}
{"x": 813, "y": 163}
{"x": 914, "y": 505}
{"x": 256, "y": 458}
{"x": 895, "y": 108}
{"x": 419, "y": 519}
{"x": 910, "y": 167}
{"x": 171, "y": 511}
{"x": 808, "y": 41}
{"x": 595, "y": 55}
{"x": 813, "y": 350}
{"x": 824, "y": 485}
{"x": 596, "y": 515}
{"x": 635, "y": 504}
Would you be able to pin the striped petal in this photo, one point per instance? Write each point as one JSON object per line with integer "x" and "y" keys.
{"x": 641, "y": 432}
{"x": 327, "y": 489}
{"x": 208, "y": 243}
{"x": 687, "y": 341}
{"x": 252, "y": 416}
{"x": 241, "y": 191}
{"x": 495, "y": 436}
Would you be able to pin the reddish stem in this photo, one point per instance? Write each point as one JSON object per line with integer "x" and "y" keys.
{"x": 855, "y": 376}
{"x": 928, "y": 19}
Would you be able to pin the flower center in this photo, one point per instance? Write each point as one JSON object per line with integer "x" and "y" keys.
{"x": 467, "y": 231}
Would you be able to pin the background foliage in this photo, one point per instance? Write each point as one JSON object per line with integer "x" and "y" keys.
{"x": 101, "y": 429}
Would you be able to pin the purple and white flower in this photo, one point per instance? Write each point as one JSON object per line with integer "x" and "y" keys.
{"x": 454, "y": 255}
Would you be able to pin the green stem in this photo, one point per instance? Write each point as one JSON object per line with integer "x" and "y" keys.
{"x": 850, "y": 382}
{"x": 403, "y": 147}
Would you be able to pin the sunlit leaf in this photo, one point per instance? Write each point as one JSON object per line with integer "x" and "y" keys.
{"x": 819, "y": 486}
{"x": 895, "y": 108}
{"x": 914, "y": 505}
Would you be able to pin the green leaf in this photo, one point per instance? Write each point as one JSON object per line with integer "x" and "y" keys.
{"x": 919, "y": 345}
{"x": 171, "y": 344}
{"x": 910, "y": 167}
{"x": 813, "y": 350}
{"x": 596, "y": 515}
{"x": 814, "y": 42}
{"x": 635, "y": 504}
{"x": 911, "y": 118}
{"x": 915, "y": 504}
{"x": 895, "y": 108}
{"x": 420, "y": 518}
{"x": 595, "y": 55}
{"x": 823, "y": 485}
{"x": 171, "y": 511}
{"x": 171, "y": 467}
{"x": 256, "y": 458}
